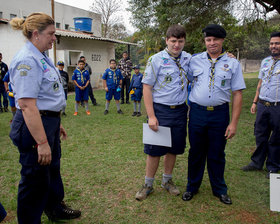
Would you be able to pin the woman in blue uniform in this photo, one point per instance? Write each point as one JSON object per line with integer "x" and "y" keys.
{"x": 36, "y": 127}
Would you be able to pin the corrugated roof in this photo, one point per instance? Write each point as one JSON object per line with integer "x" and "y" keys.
{"x": 82, "y": 35}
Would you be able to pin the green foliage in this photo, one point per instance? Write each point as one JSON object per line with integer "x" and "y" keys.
{"x": 153, "y": 18}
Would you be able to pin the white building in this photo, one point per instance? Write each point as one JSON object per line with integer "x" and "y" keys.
{"x": 70, "y": 44}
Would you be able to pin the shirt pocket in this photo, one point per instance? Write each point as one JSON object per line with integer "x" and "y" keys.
{"x": 197, "y": 76}
{"x": 223, "y": 80}
{"x": 168, "y": 75}
{"x": 51, "y": 80}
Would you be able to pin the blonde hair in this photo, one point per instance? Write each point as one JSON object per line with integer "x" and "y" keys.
{"x": 37, "y": 20}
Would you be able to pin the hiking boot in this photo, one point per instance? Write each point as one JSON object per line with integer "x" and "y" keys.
{"x": 144, "y": 192}
{"x": 249, "y": 167}
{"x": 139, "y": 114}
{"x": 134, "y": 114}
{"x": 171, "y": 187}
{"x": 64, "y": 212}
{"x": 106, "y": 112}
{"x": 120, "y": 111}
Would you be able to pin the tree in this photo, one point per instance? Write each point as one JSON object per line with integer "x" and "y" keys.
{"x": 108, "y": 10}
{"x": 269, "y": 5}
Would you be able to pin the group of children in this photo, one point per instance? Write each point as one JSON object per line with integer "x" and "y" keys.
{"x": 112, "y": 81}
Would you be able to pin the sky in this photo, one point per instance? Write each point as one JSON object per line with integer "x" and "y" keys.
{"x": 85, "y": 4}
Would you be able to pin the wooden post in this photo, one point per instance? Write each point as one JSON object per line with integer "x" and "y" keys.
{"x": 54, "y": 43}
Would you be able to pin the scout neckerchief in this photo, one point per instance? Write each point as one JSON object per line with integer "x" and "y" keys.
{"x": 114, "y": 76}
{"x": 82, "y": 76}
{"x": 213, "y": 63}
{"x": 181, "y": 70}
{"x": 271, "y": 69}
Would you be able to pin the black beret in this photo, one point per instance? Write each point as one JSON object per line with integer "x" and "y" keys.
{"x": 214, "y": 30}
{"x": 275, "y": 34}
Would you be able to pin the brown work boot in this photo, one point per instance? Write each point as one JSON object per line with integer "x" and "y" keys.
{"x": 171, "y": 187}
{"x": 143, "y": 193}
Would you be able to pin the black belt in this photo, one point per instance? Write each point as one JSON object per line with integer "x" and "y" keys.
{"x": 210, "y": 108}
{"x": 269, "y": 104}
{"x": 172, "y": 106}
{"x": 49, "y": 113}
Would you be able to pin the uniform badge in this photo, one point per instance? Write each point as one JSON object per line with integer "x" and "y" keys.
{"x": 165, "y": 61}
{"x": 23, "y": 66}
{"x": 226, "y": 65}
{"x": 55, "y": 86}
{"x": 223, "y": 82}
{"x": 168, "y": 78}
{"x": 265, "y": 65}
{"x": 23, "y": 73}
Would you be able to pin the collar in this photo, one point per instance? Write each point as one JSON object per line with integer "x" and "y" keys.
{"x": 34, "y": 50}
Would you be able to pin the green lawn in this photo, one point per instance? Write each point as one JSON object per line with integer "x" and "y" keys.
{"x": 103, "y": 165}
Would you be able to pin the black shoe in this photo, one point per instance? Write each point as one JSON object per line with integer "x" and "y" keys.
{"x": 122, "y": 102}
{"x": 187, "y": 196}
{"x": 63, "y": 113}
{"x": 120, "y": 111}
{"x": 225, "y": 199}
{"x": 250, "y": 167}
{"x": 64, "y": 212}
{"x": 6, "y": 109}
{"x": 1, "y": 110}
{"x": 134, "y": 114}
{"x": 127, "y": 102}
{"x": 95, "y": 104}
{"x": 139, "y": 114}
{"x": 106, "y": 112}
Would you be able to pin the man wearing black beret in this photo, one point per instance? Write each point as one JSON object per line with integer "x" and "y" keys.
{"x": 215, "y": 76}
{"x": 267, "y": 104}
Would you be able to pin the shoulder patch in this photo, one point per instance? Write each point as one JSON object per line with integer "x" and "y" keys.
{"x": 23, "y": 66}
{"x": 23, "y": 73}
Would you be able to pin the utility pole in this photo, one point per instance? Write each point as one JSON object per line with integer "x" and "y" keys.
{"x": 54, "y": 43}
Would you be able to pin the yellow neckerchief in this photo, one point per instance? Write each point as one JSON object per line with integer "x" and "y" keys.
{"x": 272, "y": 68}
{"x": 213, "y": 63}
{"x": 82, "y": 76}
{"x": 114, "y": 75}
{"x": 181, "y": 70}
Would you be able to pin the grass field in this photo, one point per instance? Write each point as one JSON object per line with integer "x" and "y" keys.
{"x": 103, "y": 165}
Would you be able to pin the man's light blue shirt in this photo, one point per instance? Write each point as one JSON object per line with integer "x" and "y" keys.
{"x": 270, "y": 88}
{"x": 228, "y": 77}
{"x": 163, "y": 74}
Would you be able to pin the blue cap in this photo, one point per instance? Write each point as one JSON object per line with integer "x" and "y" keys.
{"x": 60, "y": 63}
{"x": 136, "y": 67}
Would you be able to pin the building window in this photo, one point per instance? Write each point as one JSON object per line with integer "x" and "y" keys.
{"x": 57, "y": 25}
{"x": 12, "y": 16}
{"x": 1, "y": 15}
{"x": 67, "y": 26}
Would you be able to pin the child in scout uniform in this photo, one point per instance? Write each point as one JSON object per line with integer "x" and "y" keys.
{"x": 112, "y": 81}
{"x": 136, "y": 90}
{"x": 10, "y": 93}
{"x": 81, "y": 80}
{"x": 65, "y": 80}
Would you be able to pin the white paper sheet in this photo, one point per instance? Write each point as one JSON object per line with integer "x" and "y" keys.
{"x": 161, "y": 137}
{"x": 275, "y": 192}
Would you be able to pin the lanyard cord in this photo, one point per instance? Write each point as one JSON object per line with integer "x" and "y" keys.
{"x": 271, "y": 69}
{"x": 213, "y": 63}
